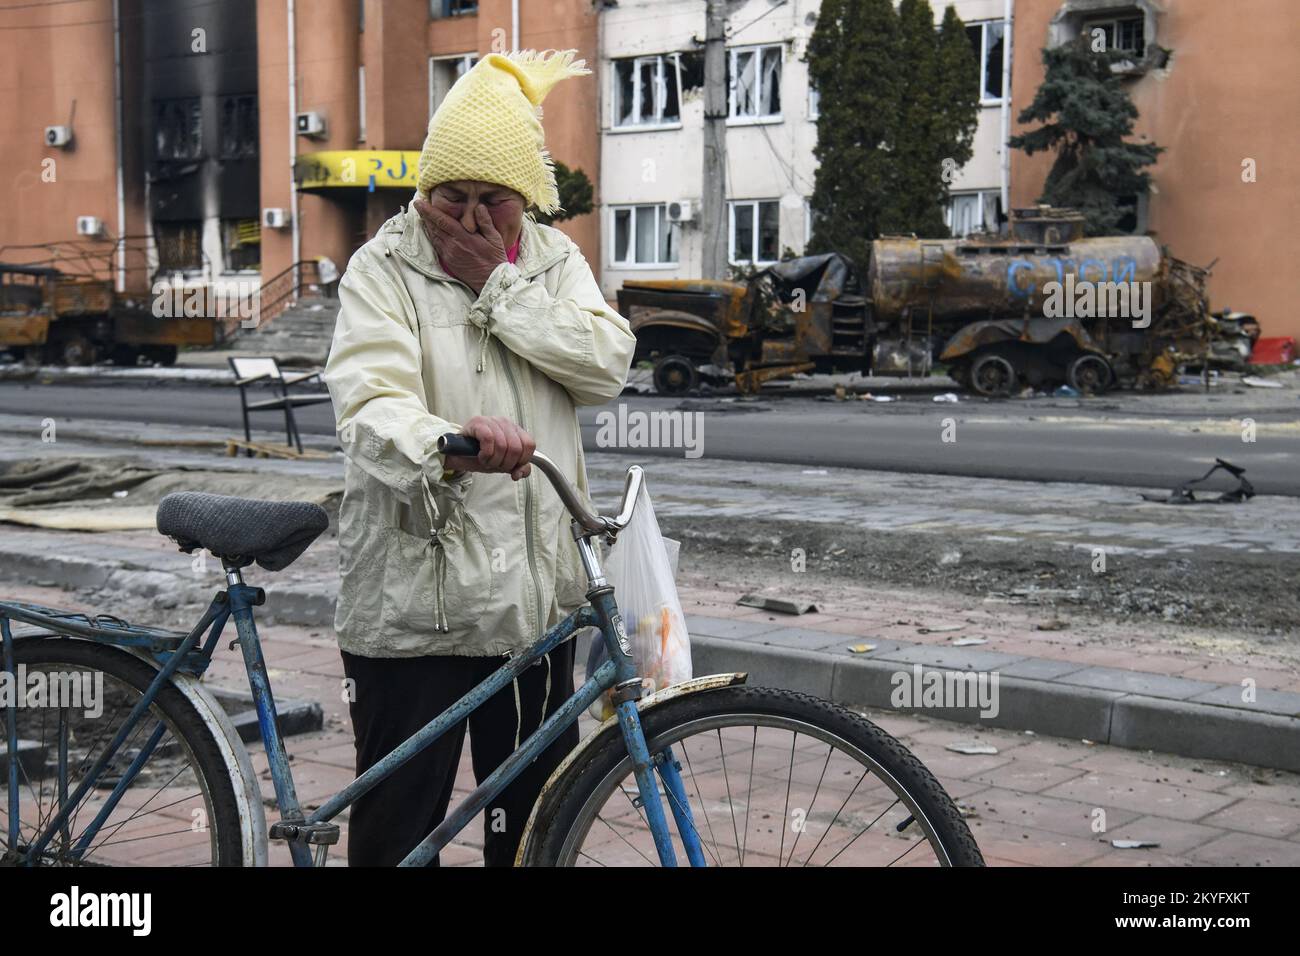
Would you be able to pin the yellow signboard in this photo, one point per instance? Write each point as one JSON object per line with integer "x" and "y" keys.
{"x": 368, "y": 169}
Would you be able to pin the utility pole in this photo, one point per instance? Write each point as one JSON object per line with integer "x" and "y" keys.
{"x": 713, "y": 198}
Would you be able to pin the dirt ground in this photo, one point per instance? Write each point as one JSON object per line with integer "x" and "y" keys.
{"x": 1226, "y": 591}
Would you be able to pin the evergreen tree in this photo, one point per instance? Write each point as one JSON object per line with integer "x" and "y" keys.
{"x": 1086, "y": 114}
{"x": 576, "y": 195}
{"x": 937, "y": 114}
{"x": 851, "y": 63}
{"x": 897, "y": 98}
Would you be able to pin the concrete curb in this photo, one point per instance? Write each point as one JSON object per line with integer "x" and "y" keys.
{"x": 1060, "y": 698}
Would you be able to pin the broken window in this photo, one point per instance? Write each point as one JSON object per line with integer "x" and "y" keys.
{"x": 973, "y": 212}
{"x": 646, "y": 91}
{"x": 444, "y": 71}
{"x": 754, "y": 81}
{"x": 238, "y": 126}
{"x": 988, "y": 41}
{"x": 644, "y": 236}
{"x": 178, "y": 129}
{"x": 452, "y": 8}
{"x": 755, "y": 231}
{"x": 242, "y": 241}
{"x": 1125, "y": 34}
{"x": 180, "y": 246}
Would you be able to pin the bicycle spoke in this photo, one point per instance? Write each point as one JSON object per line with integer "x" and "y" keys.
{"x": 730, "y": 802}
{"x": 808, "y": 813}
{"x": 896, "y": 802}
{"x": 703, "y": 809}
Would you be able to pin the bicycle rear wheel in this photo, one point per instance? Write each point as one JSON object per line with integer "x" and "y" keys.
{"x": 178, "y": 810}
{"x": 772, "y": 778}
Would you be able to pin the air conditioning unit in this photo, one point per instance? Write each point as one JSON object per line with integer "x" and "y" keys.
{"x": 58, "y": 136}
{"x": 91, "y": 226}
{"x": 681, "y": 210}
{"x": 275, "y": 218}
{"x": 311, "y": 124}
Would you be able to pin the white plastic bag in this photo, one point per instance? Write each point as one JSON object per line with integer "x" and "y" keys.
{"x": 642, "y": 567}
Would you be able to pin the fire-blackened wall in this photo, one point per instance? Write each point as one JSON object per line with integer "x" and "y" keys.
{"x": 200, "y": 132}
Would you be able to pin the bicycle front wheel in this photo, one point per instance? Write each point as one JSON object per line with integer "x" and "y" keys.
{"x": 770, "y": 777}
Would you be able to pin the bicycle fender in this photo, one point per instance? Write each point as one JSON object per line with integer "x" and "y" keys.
{"x": 693, "y": 686}
{"x": 248, "y": 795}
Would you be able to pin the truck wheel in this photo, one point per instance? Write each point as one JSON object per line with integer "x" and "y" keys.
{"x": 125, "y": 355}
{"x": 993, "y": 375}
{"x": 675, "y": 375}
{"x": 162, "y": 354}
{"x": 77, "y": 350}
{"x": 1090, "y": 374}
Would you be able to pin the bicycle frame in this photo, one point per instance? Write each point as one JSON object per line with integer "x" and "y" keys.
{"x": 238, "y": 600}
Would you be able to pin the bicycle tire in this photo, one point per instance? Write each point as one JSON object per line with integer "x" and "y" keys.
{"x": 183, "y": 720}
{"x": 560, "y": 806}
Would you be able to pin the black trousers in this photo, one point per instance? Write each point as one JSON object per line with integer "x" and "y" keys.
{"x": 395, "y": 697}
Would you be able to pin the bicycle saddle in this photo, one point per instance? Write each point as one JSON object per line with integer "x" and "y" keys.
{"x": 241, "y": 530}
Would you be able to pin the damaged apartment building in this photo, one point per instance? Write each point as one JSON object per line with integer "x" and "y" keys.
{"x": 1215, "y": 124}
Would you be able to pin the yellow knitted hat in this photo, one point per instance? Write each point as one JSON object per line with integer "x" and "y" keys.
{"x": 489, "y": 126}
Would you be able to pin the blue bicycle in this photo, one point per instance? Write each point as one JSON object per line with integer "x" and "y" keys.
{"x": 116, "y": 753}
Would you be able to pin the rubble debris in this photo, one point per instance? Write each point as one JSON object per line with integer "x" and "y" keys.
{"x": 1183, "y": 494}
{"x": 780, "y": 605}
{"x": 972, "y": 750}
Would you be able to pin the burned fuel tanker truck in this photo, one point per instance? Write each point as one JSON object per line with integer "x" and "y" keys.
{"x": 1038, "y": 307}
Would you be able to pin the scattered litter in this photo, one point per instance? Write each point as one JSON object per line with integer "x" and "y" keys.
{"x": 949, "y": 397}
{"x": 862, "y": 648}
{"x": 1065, "y": 391}
{"x": 1087, "y": 743}
{"x": 1055, "y": 624}
{"x": 780, "y": 605}
{"x": 1183, "y": 494}
{"x": 1133, "y": 844}
{"x": 1254, "y": 381}
{"x": 122, "y": 493}
{"x": 969, "y": 641}
{"x": 1030, "y": 733}
{"x": 972, "y": 749}
{"x": 815, "y": 471}
{"x": 940, "y": 628}
{"x": 868, "y": 397}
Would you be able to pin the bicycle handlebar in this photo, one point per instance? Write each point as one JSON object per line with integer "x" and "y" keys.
{"x": 466, "y": 446}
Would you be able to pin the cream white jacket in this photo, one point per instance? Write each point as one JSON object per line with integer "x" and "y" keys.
{"x": 469, "y": 564}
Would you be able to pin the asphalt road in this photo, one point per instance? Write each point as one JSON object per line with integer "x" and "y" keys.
{"x": 1034, "y": 441}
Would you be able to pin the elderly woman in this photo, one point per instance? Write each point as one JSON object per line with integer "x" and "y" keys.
{"x": 463, "y": 314}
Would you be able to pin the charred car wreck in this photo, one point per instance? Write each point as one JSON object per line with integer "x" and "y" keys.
{"x": 980, "y": 307}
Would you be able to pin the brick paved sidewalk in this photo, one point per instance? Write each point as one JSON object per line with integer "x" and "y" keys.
{"x": 1034, "y": 802}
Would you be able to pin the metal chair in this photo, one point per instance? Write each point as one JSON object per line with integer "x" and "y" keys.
{"x": 253, "y": 370}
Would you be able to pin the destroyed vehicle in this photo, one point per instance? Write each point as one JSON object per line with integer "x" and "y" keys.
{"x": 50, "y": 317}
{"x": 979, "y": 306}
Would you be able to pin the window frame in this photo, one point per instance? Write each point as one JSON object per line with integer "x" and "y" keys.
{"x": 661, "y": 74}
{"x": 1112, "y": 22}
{"x": 467, "y": 62}
{"x": 742, "y": 119}
{"x": 756, "y": 222}
{"x": 983, "y": 26}
{"x": 980, "y": 196}
{"x": 614, "y": 210}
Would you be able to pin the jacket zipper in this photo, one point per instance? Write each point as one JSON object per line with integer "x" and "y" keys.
{"x": 528, "y": 486}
